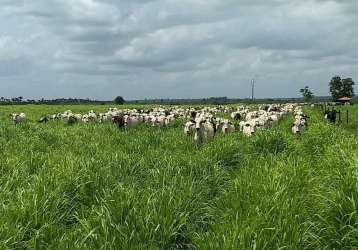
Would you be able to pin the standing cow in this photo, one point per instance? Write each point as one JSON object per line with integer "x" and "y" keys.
{"x": 18, "y": 118}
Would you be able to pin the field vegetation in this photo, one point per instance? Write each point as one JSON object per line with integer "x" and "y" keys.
{"x": 93, "y": 186}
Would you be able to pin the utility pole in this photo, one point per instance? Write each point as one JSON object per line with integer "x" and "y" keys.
{"x": 253, "y": 89}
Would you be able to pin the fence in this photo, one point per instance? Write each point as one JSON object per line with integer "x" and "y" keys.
{"x": 339, "y": 112}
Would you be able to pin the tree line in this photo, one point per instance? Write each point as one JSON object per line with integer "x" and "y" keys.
{"x": 120, "y": 100}
{"x": 338, "y": 87}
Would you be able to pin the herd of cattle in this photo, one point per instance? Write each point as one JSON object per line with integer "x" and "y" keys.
{"x": 202, "y": 123}
{"x": 203, "y": 126}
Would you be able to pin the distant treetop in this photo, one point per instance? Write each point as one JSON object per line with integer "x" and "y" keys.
{"x": 341, "y": 87}
{"x": 119, "y": 100}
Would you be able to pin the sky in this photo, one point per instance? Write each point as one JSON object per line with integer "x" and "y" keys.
{"x": 140, "y": 49}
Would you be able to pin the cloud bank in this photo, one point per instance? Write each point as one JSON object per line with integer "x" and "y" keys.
{"x": 174, "y": 49}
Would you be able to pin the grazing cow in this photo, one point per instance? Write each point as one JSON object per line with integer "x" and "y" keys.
{"x": 331, "y": 116}
{"x": 298, "y": 128}
{"x": 219, "y": 124}
{"x": 273, "y": 108}
{"x": 169, "y": 119}
{"x": 73, "y": 119}
{"x": 54, "y": 117}
{"x": 85, "y": 119}
{"x": 189, "y": 128}
{"x": 224, "y": 126}
{"x": 65, "y": 115}
{"x": 236, "y": 116}
{"x": 131, "y": 121}
{"x": 261, "y": 123}
{"x": 205, "y": 130}
{"x": 264, "y": 107}
{"x": 193, "y": 114}
{"x": 44, "y": 119}
{"x": 249, "y": 128}
{"x": 300, "y": 124}
{"x": 92, "y": 116}
{"x": 78, "y": 117}
{"x": 159, "y": 121}
{"x": 251, "y": 115}
{"x": 272, "y": 120}
{"x": 227, "y": 127}
{"x": 19, "y": 118}
{"x": 119, "y": 121}
{"x": 105, "y": 117}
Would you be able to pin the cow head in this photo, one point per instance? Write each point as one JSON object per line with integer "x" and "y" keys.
{"x": 296, "y": 128}
{"x": 189, "y": 127}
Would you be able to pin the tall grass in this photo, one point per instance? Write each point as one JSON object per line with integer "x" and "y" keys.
{"x": 96, "y": 187}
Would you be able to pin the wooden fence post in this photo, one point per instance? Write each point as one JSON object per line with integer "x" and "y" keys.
{"x": 340, "y": 120}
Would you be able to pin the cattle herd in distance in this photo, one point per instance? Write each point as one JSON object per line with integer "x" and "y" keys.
{"x": 201, "y": 123}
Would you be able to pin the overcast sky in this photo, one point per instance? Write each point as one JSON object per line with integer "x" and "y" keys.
{"x": 174, "y": 48}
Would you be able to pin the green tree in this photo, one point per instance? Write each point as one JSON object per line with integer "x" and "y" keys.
{"x": 307, "y": 93}
{"x": 335, "y": 87}
{"x": 347, "y": 88}
{"x": 341, "y": 87}
{"x": 119, "y": 100}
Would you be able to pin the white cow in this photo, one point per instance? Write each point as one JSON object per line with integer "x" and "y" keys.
{"x": 204, "y": 130}
{"x": 228, "y": 127}
{"x": 298, "y": 128}
{"x": 105, "y": 117}
{"x": 249, "y": 128}
{"x": 224, "y": 126}
{"x": 159, "y": 121}
{"x": 131, "y": 121}
{"x": 92, "y": 116}
{"x": 189, "y": 128}
{"x": 19, "y": 118}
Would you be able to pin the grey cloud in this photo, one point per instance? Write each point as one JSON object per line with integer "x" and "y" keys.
{"x": 16, "y": 66}
{"x": 169, "y": 48}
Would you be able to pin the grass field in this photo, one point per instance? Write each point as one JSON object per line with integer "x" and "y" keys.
{"x": 96, "y": 187}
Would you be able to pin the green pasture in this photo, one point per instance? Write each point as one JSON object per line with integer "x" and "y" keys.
{"x": 93, "y": 186}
